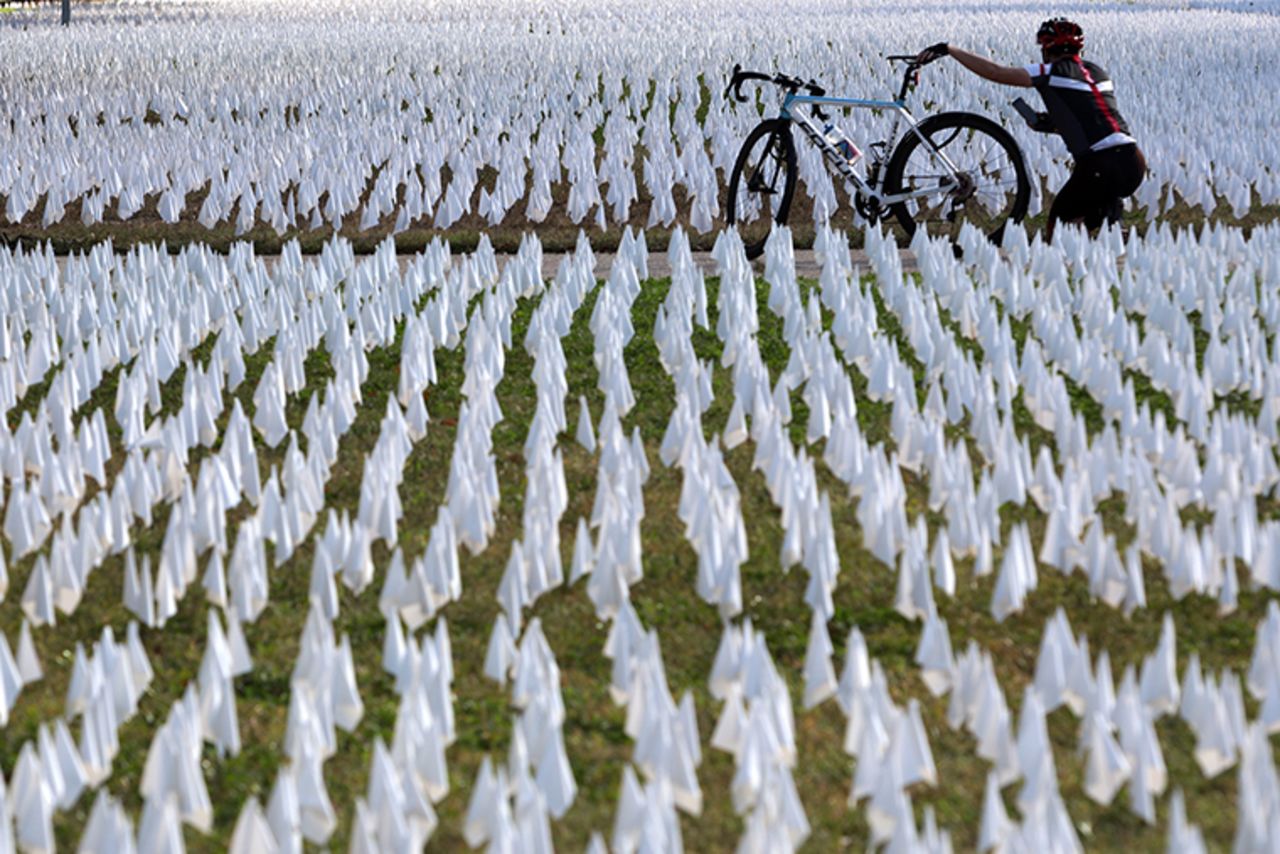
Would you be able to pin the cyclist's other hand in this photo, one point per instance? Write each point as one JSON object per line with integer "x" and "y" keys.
{"x": 1043, "y": 124}
{"x": 932, "y": 53}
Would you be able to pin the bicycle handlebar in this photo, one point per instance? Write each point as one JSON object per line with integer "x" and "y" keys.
{"x": 738, "y": 78}
{"x": 910, "y": 78}
{"x": 786, "y": 81}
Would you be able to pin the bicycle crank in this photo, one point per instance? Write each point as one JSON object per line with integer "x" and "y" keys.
{"x": 868, "y": 207}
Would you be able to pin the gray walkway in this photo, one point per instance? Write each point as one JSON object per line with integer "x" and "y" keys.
{"x": 807, "y": 265}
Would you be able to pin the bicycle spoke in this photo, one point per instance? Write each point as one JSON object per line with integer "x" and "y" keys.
{"x": 982, "y": 156}
{"x": 963, "y": 174}
{"x": 761, "y": 187}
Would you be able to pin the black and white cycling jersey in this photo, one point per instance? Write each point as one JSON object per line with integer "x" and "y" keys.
{"x": 1080, "y": 99}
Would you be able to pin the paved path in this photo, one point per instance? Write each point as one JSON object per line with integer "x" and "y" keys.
{"x": 807, "y": 265}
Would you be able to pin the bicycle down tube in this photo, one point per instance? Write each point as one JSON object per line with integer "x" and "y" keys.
{"x": 811, "y": 130}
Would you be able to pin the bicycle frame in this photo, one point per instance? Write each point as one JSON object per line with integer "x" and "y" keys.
{"x": 813, "y": 131}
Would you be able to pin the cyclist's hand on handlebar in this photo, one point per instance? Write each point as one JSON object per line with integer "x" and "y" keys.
{"x": 932, "y": 53}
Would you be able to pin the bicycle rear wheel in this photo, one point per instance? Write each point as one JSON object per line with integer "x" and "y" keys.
{"x": 762, "y": 183}
{"x": 993, "y": 188}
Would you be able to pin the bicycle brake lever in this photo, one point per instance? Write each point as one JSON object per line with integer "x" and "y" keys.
{"x": 733, "y": 78}
{"x": 817, "y": 91}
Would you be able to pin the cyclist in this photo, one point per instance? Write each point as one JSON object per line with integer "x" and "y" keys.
{"x": 1109, "y": 165}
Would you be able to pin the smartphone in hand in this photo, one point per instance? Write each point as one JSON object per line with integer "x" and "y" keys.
{"x": 1037, "y": 121}
{"x": 1025, "y": 110}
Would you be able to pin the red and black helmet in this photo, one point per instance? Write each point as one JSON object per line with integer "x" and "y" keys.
{"x": 1060, "y": 35}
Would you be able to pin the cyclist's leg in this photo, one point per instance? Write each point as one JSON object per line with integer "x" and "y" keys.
{"x": 1072, "y": 203}
{"x": 1119, "y": 172}
{"x": 1115, "y": 211}
{"x": 1132, "y": 168}
{"x": 1103, "y": 205}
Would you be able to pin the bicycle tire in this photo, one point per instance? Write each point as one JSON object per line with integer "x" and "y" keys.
{"x": 782, "y": 149}
{"x": 936, "y": 128}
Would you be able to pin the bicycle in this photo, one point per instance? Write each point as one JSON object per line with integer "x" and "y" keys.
{"x": 953, "y": 167}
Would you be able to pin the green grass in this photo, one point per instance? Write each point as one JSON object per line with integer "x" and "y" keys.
{"x": 665, "y": 600}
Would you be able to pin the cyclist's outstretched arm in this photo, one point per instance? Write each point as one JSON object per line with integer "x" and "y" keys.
{"x": 981, "y": 66}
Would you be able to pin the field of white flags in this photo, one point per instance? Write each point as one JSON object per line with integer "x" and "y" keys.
{"x": 371, "y": 552}
{"x": 512, "y": 543}
{"x": 261, "y": 118}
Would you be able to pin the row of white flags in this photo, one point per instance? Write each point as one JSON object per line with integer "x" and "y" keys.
{"x": 392, "y": 115}
{"x": 143, "y": 315}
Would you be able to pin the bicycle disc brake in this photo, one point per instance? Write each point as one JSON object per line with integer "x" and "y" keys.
{"x": 960, "y": 195}
{"x": 756, "y": 182}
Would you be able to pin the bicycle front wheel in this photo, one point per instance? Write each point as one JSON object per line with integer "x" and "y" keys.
{"x": 762, "y": 183}
{"x": 990, "y": 189}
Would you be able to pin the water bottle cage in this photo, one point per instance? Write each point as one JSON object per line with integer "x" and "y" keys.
{"x": 838, "y": 144}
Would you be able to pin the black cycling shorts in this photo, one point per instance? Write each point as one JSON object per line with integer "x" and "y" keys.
{"x": 1098, "y": 184}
